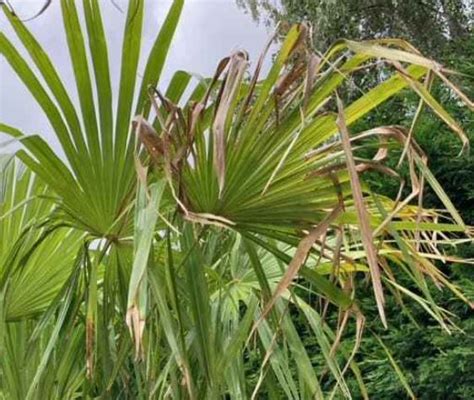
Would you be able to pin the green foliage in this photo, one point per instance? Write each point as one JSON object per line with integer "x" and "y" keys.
{"x": 252, "y": 230}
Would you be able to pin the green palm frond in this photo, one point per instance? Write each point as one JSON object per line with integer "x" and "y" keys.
{"x": 36, "y": 257}
{"x": 97, "y": 178}
{"x": 269, "y": 160}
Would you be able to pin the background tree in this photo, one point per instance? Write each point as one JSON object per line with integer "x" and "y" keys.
{"x": 428, "y": 24}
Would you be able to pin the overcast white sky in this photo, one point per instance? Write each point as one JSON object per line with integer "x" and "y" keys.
{"x": 208, "y": 31}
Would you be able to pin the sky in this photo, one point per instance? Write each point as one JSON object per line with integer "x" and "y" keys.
{"x": 208, "y": 31}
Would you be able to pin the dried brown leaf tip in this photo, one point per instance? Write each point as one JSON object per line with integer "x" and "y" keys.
{"x": 136, "y": 326}
{"x": 362, "y": 214}
{"x": 149, "y": 138}
{"x": 236, "y": 68}
{"x": 299, "y": 258}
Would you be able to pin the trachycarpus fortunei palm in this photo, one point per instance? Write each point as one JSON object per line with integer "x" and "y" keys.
{"x": 265, "y": 164}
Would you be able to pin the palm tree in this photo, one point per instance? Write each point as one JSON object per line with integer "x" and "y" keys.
{"x": 167, "y": 254}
